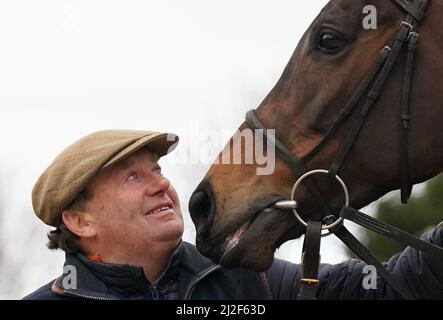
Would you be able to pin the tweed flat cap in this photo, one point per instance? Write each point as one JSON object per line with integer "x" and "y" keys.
{"x": 73, "y": 169}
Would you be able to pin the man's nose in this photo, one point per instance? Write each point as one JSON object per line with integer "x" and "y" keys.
{"x": 202, "y": 206}
{"x": 159, "y": 185}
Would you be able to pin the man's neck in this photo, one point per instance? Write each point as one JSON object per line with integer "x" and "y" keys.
{"x": 154, "y": 267}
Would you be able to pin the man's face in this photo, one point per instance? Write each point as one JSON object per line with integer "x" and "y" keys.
{"x": 134, "y": 207}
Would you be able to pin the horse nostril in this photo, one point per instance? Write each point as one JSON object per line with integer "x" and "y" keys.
{"x": 202, "y": 206}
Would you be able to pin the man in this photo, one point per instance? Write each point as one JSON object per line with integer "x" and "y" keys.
{"x": 119, "y": 221}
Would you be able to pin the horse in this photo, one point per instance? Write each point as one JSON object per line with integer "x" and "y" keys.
{"x": 367, "y": 101}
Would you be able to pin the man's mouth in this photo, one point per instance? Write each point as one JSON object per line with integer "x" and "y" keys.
{"x": 159, "y": 209}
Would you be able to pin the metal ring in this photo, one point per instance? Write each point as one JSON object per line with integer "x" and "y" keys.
{"x": 297, "y": 183}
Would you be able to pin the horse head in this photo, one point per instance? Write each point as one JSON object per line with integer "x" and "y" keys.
{"x": 231, "y": 208}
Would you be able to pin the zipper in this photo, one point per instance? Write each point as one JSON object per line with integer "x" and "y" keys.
{"x": 84, "y": 296}
{"x": 154, "y": 292}
{"x": 194, "y": 283}
{"x": 154, "y": 286}
{"x": 56, "y": 289}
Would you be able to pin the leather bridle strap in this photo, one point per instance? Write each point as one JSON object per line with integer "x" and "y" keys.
{"x": 352, "y": 103}
{"x": 365, "y": 255}
{"x": 415, "y": 10}
{"x": 371, "y": 98}
{"x": 405, "y": 34}
{"x": 295, "y": 163}
{"x": 389, "y": 231}
{"x": 386, "y": 230}
{"x": 310, "y": 262}
{"x": 406, "y": 186}
{"x": 296, "y": 166}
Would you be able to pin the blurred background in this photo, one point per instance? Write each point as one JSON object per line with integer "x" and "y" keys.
{"x": 69, "y": 68}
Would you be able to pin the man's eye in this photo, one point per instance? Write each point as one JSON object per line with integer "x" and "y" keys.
{"x": 158, "y": 170}
{"x": 133, "y": 176}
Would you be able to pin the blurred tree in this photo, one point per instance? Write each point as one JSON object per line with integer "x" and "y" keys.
{"x": 423, "y": 211}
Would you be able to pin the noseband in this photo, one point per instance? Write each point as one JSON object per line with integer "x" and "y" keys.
{"x": 371, "y": 86}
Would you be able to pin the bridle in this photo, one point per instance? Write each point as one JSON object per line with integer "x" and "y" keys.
{"x": 371, "y": 87}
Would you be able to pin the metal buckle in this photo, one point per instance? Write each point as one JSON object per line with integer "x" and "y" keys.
{"x": 387, "y": 48}
{"x": 309, "y": 280}
{"x": 413, "y": 34}
{"x": 410, "y": 26}
{"x": 297, "y": 183}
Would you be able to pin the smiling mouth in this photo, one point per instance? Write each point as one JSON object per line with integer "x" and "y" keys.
{"x": 159, "y": 210}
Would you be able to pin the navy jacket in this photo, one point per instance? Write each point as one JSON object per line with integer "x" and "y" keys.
{"x": 190, "y": 275}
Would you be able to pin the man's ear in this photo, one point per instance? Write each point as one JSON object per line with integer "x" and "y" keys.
{"x": 79, "y": 223}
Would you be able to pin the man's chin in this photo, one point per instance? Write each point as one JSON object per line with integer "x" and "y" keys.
{"x": 172, "y": 233}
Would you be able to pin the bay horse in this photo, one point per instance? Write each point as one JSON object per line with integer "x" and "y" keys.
{"x": 351, "y": 100}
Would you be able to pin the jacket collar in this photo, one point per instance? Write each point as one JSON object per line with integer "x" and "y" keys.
{"x": 194, "y": 267}
{"x": 98, "y": 280}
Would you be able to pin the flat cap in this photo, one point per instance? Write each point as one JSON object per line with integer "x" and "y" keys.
{"x": 74, "y": 167}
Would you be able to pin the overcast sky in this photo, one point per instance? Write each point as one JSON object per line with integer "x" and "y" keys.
{"x": 68, "y": 68}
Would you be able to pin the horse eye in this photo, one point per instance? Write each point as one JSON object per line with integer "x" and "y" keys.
{"x": 330, "y": 42}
